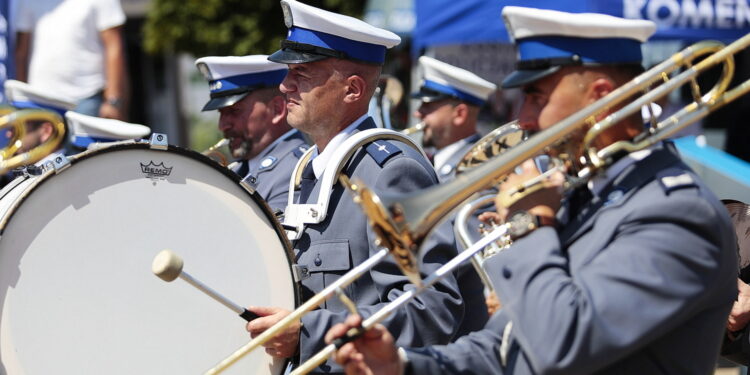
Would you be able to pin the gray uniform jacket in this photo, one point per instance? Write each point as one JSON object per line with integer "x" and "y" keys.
{"x": 447, "y": 171}
{"x": 640, "y": 282}
{"x": 344, "y": 239}
{"x": 270, "y": 170}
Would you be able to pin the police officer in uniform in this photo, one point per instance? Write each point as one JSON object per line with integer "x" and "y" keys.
{"x": 637, "y": 278}
{"x": 334, "y": 65}
{"x": 451, "y": 99}
{"x": 252, "y": 116}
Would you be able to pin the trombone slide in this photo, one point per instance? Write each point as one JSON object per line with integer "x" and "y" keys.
{"x": 383, "y": 313}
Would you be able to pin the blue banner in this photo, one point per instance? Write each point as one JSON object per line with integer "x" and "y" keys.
{"x": 441, "y": 22}
{"x": 6, "y": 55}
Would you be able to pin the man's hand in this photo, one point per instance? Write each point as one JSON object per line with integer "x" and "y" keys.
{"x": 371, "y": 354}
{"x": 740, "y": 314}
{"x": 543, "y": 202}
{"x": 285, "y": 344}
{"x": 493, "y": 303}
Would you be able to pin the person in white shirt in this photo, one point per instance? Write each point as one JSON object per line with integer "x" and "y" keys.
{"x": 74, "y": 48}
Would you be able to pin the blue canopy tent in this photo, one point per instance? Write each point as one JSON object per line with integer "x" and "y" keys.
{"x": 442, "y": 22}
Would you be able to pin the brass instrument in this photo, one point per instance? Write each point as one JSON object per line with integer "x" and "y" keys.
{"x": 403, "y": 221}
{"x": 414, "y": 129}
{"x": 16, "y": 120}
{"x": 388, "y": 95}
{"x": 463, "y": 234}
{"x": 219, "y": 152}
{"x": 492, "y": 144}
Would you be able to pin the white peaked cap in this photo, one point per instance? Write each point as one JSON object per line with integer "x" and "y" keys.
{"x": 86, "y": 129}
{"x": 530, "y": 22}
{"x": 231, "y": 78}
{"x": 316, "y": 34}
{"x": 454, "y": 81}
{"x": 22, "y": 95}
{"x": 219, "y": 67}
{"x": 312, "y": 18}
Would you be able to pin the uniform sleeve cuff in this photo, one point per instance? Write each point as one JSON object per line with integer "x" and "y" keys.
{"x": 404, "y": 361}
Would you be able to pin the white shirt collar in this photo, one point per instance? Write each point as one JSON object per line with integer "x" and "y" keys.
{"x": 442, "y": 156}
{"x": 320, "y": 160}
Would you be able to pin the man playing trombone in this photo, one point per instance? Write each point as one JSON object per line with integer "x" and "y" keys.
{"x": 631, "y": 272}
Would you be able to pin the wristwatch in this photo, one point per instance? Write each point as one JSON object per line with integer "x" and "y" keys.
{"x": 114, "y": 101}
{"x": 521, "y": 223}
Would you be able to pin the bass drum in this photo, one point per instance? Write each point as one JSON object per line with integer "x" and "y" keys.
{"x": 76, "y": 289}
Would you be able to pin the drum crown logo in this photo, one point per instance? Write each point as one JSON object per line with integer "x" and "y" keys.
{"x": 152, "y": 170}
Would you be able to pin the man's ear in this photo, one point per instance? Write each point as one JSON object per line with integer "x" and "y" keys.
{"x": 278, "y": 109}
{"x": 460, "y": 114}
{"x": 356, "y": 89}
{"x": 46, "y": 131}
{"x": 600, "y": 88}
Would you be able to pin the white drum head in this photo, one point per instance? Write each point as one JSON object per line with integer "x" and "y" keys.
{"x": 76, "y": 289}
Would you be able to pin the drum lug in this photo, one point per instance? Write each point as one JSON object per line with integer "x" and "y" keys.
{"x": 158, "y": 141}
{"x": 300, "y": 272}
{"x": 60, "y": 163}
{"x": 249, "y": 186}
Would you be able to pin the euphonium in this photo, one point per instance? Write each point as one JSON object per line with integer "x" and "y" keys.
{"x": 219, "y": 152}
{"x": 492, "y": 144}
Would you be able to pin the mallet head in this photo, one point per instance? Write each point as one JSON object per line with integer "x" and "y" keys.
{"x": 167, "y": 265}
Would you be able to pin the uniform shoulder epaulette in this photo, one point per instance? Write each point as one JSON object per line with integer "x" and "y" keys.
{"x": 382, "y": 150}
{"x": 299, "y": 151}
{"x": 674, "y": 178}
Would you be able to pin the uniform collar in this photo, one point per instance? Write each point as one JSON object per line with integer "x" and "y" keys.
{"x": 597, "y": 184}
{"x": 253, "y": 163}
{"x": 320, "y": 160}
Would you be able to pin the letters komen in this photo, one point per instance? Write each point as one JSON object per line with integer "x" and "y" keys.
{"x": 722, "y": 14}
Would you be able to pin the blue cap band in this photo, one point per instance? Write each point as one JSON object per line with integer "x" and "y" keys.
{"x": 452, "y": 91}
{"x": 83, "y": 141}
{"x": 590, "y": 50}
{"x": 263, "y": 79}
{"x": 368, "y": 52}
{"x": 32, "y": 105}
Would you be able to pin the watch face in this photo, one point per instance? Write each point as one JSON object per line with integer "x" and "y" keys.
{"x": 521, "y": 222}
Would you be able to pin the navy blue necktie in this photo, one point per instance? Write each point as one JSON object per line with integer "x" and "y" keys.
{"x": 307, "y": 183}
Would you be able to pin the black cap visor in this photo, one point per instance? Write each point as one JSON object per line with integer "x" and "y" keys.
{"x": 223, "y": 101}
{"x": 292, "y": 52}
{"x": 290, "y": 56}
{"x": 523, "y": 77}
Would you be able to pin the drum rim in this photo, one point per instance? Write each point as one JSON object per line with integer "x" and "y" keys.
{"x": 145, "y": 145}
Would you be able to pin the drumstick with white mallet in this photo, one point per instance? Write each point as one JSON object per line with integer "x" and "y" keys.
{"x": 168, "y": 266}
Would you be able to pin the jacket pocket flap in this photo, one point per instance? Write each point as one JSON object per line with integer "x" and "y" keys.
{"x": 328, "y": 255}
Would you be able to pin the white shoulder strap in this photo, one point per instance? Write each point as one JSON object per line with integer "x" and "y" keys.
{"x": 299, "y": 215}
